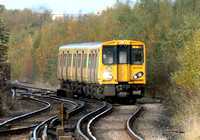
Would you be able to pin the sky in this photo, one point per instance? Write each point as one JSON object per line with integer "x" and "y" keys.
{"x": 60, "y": 6}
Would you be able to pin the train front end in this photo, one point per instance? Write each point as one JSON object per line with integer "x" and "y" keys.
{"x": 123, "y": 69}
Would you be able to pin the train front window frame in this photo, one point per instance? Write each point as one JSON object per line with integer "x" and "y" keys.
{"x": 108, "y": 55}
{"x": 137, "y": 55}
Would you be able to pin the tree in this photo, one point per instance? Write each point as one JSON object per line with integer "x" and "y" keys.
{"x": 4, "y": 38}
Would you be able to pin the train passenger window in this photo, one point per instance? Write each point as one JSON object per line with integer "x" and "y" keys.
{"x": 69, "y": 61}
{"x": 84, "y": 60}
{"x": 60, "y": 64}
{"x": 137, "y": 56}
{"x": 108, "y": 54}
{"x": 79, "y": 60}
{"x": 122, "y": 57}
{"x": 64, "y": 63}
{"x": 92, "y": 63}
{"x": 60, "y": 61}
{"x": 74, "y": 60}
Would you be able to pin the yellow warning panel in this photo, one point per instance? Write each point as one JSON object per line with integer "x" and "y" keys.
{"x": 135, "y": 47}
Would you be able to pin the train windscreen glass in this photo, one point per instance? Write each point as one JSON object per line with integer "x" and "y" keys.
{"x": 122, "y": 57}
{"x": 122, "y": 54}
{"x": 108, "y": 55}
{"x": 137, "y": 55}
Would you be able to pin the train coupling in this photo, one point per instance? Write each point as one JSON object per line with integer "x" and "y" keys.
{"x": 123, "y": 94}
{"x": 137, "y": 92}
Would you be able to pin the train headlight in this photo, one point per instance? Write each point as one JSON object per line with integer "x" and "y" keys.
{"x": 110, "y": 77}
{"x": 135, "y": 77}
{"x": 107, "y": 75}
{"x": 138, "y": 75}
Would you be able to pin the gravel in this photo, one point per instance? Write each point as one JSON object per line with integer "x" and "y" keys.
{"x": 154, "y": 123}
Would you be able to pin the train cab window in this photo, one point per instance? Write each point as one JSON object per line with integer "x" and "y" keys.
{"x": 137, "y": 55}
{"x": 123, "y": 57}
{"x": 108, "y": 55}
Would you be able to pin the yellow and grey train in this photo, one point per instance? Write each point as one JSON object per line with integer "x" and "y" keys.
{"x": 113, "y": 70}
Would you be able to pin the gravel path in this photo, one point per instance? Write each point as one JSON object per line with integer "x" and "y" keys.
{"x": 112, "y": 126}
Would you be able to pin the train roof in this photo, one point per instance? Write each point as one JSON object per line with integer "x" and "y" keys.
{"x": 93, "y": 45}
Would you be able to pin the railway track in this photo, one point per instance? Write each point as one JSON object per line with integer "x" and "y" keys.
{"x": 29, "y": 86}
{"x": 84, "y": 122}
{"x": 53, "y": 121}
{"x": 83, "y": 125}
{"x": 113, "y": 126}
{"x": 13, "y": 125}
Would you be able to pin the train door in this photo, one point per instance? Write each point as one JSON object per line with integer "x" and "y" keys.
{"x": 66, "y": 69}
{"x": 79, "y": 67}
{"x": 61, "y": 65}
{"x": 90, "y": 67}
{"x": 122, "y": 67}
{"x": 96, "y": 66}
{"x": 74, "y": 68}
{"x": 69, "y": 67}
{"x": 82, "y": 61}
{"x": 64, "y": 66}
{"x": 84, "y": 75}
{"x": 93, "y": 66}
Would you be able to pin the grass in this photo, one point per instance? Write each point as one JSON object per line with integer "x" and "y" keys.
{"x": 187, "y": 112}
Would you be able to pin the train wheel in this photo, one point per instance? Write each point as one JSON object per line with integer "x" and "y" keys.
{"x": 132, "y": 101}
{"x": 110, "y": 99}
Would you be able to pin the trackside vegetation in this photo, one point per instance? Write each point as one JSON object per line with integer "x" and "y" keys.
{"x": 170, "y": 30}
{"x": 4, "y": 65}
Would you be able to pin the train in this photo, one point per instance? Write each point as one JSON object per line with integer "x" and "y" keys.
{"x": 111, "y": 71}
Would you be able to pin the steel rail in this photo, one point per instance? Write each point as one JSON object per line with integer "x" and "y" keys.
{"x": 54, "y": 118}
{"x": 79, "y": 105}
{"x": 86, "y": 117}
{"x": 95, "y": 119}
{"x": 35, "y": 132}
{"x": 21, "y": 86}
{"x": 27, "y": 114}
{"x": 129, "y": 124}
{"x": 16, "y": 130}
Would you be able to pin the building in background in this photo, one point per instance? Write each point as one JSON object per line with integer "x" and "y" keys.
{"x": 61, "y": 17}
{"x": 56, "y": 17}
{"x": 99, "y": 12}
